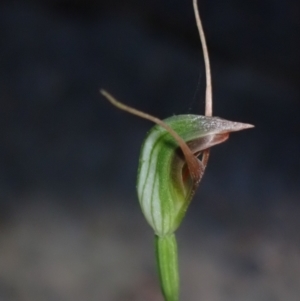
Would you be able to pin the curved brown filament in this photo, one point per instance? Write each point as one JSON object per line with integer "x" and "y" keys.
{"x": 208, "y": 92}
{"x": 195, "y": 167}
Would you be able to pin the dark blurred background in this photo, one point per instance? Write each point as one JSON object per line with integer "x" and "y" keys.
{"x": 70, "y": 223}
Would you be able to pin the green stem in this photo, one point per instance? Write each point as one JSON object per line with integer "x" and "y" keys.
{"x": 167, "y": 263}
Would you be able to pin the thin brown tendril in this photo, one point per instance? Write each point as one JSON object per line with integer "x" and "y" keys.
{"x": 208, "y": 92}
{"x": 192, "y": 162}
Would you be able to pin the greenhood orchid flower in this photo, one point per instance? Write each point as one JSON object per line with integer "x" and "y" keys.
{"x": 168, "y": 175}
{"x": 165, "y": 187}
{"x": 170, "y": 171}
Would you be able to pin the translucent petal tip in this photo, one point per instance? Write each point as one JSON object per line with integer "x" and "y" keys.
{"x": 238, "y": 126}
